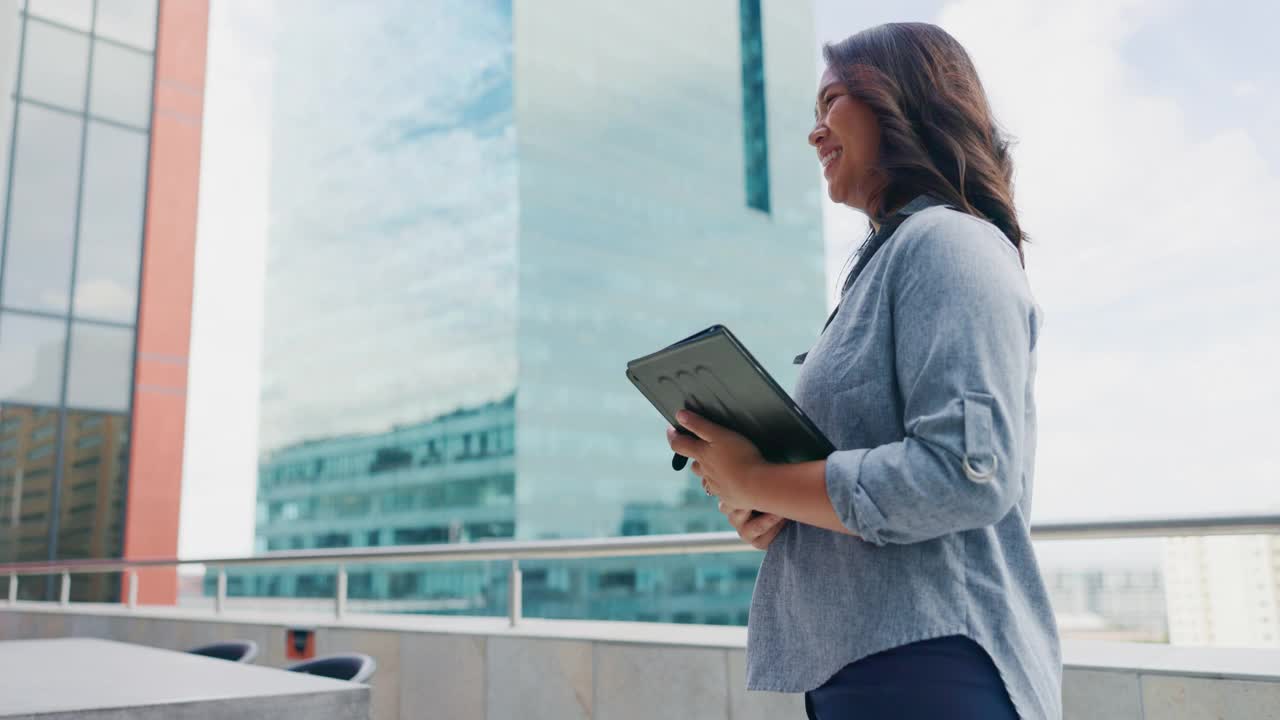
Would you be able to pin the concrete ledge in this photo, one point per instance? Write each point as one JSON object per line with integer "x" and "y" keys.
{"x": 459, "y": 667}
{"x": 709, "y": 636}
{"x": 1218, "y": 663}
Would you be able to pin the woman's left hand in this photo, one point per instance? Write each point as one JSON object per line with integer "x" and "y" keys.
{"x": 727, "y": 462}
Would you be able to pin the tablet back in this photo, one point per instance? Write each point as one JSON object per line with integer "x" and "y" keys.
{"x": 713, "y": 374}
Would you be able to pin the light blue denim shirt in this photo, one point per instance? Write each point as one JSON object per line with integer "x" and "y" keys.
{"x": 924, "y": 382}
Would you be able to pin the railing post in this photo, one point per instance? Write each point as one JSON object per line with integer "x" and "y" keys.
{"x": 340, "y": 598}
{"x": 13, "y": 588}
{"x": 133, "y": 589}
{"x": 220, "y": 599}
{"x": 65, "y": 600}
{"x": 513, "y": 603}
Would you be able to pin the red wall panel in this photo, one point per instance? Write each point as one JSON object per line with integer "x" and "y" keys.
{"x": 164, "y": 315}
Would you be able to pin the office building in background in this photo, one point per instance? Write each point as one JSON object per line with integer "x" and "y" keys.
{"x": 100, "y": 123}
{"x": 1224, "y": 590}
{"x": 479, "y": 213}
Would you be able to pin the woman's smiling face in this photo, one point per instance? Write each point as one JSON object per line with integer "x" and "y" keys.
{"x": 847, "y": 138}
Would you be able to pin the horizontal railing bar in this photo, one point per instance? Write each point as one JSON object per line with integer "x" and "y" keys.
{"x": 635, "y": 546}
{"x": 693, "y": 543}
{"x": 1159, "y": 528}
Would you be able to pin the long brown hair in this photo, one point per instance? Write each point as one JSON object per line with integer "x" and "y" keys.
{"x": 937, "y": 131}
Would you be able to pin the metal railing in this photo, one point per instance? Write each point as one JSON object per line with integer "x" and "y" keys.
{"x": 516, "y": 550}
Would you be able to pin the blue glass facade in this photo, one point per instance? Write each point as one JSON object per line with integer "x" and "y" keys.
{"x": 449, "y": 479}
{"x": 391, "y": 260}
{"x": 755, "y": 145}
{"x": 480, "y": 212}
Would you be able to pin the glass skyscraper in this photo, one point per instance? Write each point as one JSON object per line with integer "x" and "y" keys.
{"x": 480, "y": 212}
{"x": 100, "y": 121}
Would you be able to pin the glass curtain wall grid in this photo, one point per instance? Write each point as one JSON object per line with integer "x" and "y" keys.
{"x": 71, "y": 239}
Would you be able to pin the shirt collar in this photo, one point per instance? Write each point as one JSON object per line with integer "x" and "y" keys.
{"x": 916, "y": 204}
{"x": 920, "y": 202}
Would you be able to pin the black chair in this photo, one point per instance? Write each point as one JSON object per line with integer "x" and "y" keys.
{"x": 242, "y": 651}
{"x": 354, "y": 667}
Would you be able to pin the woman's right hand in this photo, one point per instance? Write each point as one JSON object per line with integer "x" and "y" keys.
{"x": 758, "y": 531}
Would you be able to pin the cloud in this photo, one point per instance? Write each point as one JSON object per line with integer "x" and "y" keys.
{"x": 104, "y": 298}
{"x": 1155, "y": 259}
{"x": 1245, "y": 88}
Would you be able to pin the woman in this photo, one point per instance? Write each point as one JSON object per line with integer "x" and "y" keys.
{"x": 899, "y": 579}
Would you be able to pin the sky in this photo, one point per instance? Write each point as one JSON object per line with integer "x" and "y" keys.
{"x": 1145, "y": 164}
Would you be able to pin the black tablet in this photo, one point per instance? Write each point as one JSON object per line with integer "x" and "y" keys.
{"x": 711, "y": 373}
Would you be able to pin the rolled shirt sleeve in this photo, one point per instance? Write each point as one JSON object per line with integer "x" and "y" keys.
{"x": 964, "y": 328}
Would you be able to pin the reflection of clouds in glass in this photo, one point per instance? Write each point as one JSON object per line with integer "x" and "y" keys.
{"x": 52, "y": 299}
{"x": 130, "y": 21}
{"x": 105, "y": 299}
{"x": 101, "y": 366}
{"x": 115, "y": 175}
{"x": 46, "y": 164}
{"x": 31, "y": 351}
{"x": 55, "y": 65}
{"x": 391, "y": 261}
{"x": 10, "y": 24}
{"x": 635, "y": 231}
{"x": 121, "y": 85}
{"x": 76, "y": 13}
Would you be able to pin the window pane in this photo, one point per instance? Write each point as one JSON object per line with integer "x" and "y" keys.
{"x": 121, "y": 85}
{"x": 77, "y": 13}
{"x": 26, "y": 491}
{"x": 101, "y": 368}
{"x": 46, "y": 165}
{"x": 91, "y": 513}
{"x": 115, "y": 177}
{"x": 8, "y": 79}
{"x": 31, "y": 358}
{"x": 129, "y": 21}
{"x": 55, "y": 64}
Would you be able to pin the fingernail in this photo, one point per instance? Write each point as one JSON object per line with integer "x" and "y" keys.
{"x": 681, "y": 415}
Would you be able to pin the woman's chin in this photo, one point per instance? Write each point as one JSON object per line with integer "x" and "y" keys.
{"x": 834, "y": 192}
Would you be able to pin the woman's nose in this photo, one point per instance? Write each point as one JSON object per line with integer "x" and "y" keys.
{"x": 817, "y": 134}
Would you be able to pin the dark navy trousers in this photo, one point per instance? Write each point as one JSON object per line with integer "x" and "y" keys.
{"x": 950, "y": 677}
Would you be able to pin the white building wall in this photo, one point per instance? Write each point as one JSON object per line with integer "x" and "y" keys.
{"x": 1223, "y": 590}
